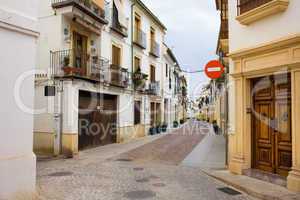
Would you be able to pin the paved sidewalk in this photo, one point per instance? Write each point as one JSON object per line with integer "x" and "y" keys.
{"x": 254, "y": 187}
{"x": 209, "y": 153}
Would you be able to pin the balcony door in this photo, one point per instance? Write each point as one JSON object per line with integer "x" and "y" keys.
{"x": 152, "y": 39}
{"x": 137, "y": 23}
{"x": 116, "y": 63}
{"x": 152, "y": 74}
{"x": 80, "y": 52}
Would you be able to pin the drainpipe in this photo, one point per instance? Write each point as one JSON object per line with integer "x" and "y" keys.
{"x": 58, "y": 118}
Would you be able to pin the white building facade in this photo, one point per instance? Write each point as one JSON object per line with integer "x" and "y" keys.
{"x": 103, "y": 74}
{"x": 18, "y": 35}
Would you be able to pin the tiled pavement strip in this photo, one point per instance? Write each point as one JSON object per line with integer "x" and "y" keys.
{"x": 153, "y": 173}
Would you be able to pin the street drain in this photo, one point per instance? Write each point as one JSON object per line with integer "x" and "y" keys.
{"x": 59, "y": 174}
{"x": 154, "y": 177}
{"x": 124, "y": 160}
{"x": 229, "y": 191}
{"x": 159, "y": 185}
{"x": 140, "y": 194}
{"x": 143, "y": 180}
{"x": 138, "y": 169}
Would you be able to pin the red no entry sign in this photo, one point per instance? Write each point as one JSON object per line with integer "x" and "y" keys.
{"x": 214, "y": 69}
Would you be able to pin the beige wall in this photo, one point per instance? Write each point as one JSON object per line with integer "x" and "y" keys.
{"x": 279, "y": 56}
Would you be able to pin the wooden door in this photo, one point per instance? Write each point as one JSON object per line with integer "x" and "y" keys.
{"x": 272, "y": 141}
{"x": 116, "y": 63}
{"x": 137, "y": 24}
{"x": 152, "y": 105}
{"x": 152, "y": 74}
{"x": 283, "y": 124}
{"x": 97, "y": 119}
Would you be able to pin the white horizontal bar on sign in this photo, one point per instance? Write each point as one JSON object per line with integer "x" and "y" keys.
{"x": 214, "y": 69}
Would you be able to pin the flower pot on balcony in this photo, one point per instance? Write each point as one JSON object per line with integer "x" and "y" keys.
{"x": 158, "y": 129}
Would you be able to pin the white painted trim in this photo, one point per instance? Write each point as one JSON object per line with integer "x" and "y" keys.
{"x": 18, "y": 22}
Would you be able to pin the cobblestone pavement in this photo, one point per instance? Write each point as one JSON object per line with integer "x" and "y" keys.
{"x": 96, "y": 176}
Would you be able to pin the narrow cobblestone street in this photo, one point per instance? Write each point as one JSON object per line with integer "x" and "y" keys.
{"x": 144, "y": 169}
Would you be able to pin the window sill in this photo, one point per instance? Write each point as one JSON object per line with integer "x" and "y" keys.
{"x": 273, "y": 7}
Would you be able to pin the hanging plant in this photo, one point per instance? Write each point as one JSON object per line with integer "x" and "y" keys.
{"x": 139, "y": 78}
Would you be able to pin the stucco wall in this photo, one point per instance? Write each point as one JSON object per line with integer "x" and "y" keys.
{"x": 18, "y": 50}
{"x": 264, "y": 30}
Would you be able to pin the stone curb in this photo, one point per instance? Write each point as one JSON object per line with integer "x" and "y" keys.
{"x": 250, "y": 191}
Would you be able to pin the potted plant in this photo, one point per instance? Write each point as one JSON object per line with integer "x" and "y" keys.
{"x": 164, "y": 127}
{"x": 175, "y": 124}
{"x": 139, "y": 79}
{"x": 152, "y": 130}
{"x": 66, "y": 68}
{"x": 158, "y": 128}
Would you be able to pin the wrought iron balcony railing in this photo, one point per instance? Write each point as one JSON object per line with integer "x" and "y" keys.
{"x": 120, "y": 77}
{"x": 154, "y": 88}
{"x": 140, "y": 38}
{"x": 76, "y": 64}
{"x": 247, "y": 5}
{"x": 155, "y": 49}
{"x": 86, "y": 6}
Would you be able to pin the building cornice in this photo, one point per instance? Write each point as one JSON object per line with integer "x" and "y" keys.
{"x": 17, "y": 22}
{"x": 266, "y": 47}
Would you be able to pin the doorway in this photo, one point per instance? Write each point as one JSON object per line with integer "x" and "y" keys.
{"x": 97, "y": 119}
{"x": 271, "y": 124}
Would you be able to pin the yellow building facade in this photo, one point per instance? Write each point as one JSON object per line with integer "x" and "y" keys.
{"x": 277, "y": 57}
{"x": 264, "y": 90}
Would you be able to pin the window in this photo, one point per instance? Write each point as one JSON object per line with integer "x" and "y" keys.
{"x": 137, "y": 63}
{"x": 137, "y": 23}
{"x": 152, "y": 38}
{"x": 116, "y": 55}
{"x": 170, "y": 80}
{"x": 167, "y": 70}
{"x": 137, "y": 112}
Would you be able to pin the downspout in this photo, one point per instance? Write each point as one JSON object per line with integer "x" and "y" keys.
{"x": 58, "y": 115}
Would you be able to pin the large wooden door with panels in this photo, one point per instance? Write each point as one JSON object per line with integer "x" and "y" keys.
{"x": 271, "y": 124}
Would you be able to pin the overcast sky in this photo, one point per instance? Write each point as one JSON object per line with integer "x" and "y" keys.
{"x": 193, "y": 27}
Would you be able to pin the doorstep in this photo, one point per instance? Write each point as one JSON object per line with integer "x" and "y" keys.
{"x": 253, "y": 187}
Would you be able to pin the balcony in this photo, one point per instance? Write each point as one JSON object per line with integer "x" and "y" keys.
{"x": 140, "y": 38}
{"x": 120, "y": 77}
{"x": 154, "y": 88}
{"x": 86, "y": 6}
{"x": 155, "y": 49}
{"x": 247, "y": 5}
{"x": 116, "y": 25}
{"x": 250, "y": 11}
{"x": 74, "y": 64}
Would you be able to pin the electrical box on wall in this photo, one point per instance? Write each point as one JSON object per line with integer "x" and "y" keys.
{"x": 50, "y": 91}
